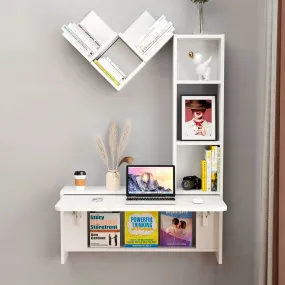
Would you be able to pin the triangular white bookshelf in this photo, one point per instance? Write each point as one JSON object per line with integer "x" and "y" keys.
{"x": 122, "y": 48}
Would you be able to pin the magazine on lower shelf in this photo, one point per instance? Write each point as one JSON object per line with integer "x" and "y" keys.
{"x": 141, "y": 229}
{"x": 104, "y": 229}
{"x": 176, "y": 229}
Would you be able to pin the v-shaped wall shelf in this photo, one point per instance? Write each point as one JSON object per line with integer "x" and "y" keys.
{"x": 118, "y": 57}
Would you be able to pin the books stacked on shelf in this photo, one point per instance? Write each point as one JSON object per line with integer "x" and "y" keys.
{"x": 104, "y": 229}
{"x": 141, "y": 229}
{"x": 155, "y": 34}
{"x": 176, "y": 229}
{"x": 111, "y": 70}
{"x": 88, "y": 42}
{"x": 210, "y": 169}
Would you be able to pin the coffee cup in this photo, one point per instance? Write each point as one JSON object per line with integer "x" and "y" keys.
{"x": 80, "y": 180}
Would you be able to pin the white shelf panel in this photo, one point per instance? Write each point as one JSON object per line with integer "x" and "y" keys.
{"x": 124, "y": 82}
{"x": 180, "y": 191}
{"x": 103, "y": 48}
{"x": 98, "y": 28}
{"x": 83, "y": 203}
{"x": 199, "y": 82}
{"x": 92, "y": 190}
{"x": 158, "y": 45}
{"x": 202, "y": 37}
{"x": 102, "y": 190}
{"x": 130, "y": 45}
{"x": 76, "y": 45}
{"x": 193, "y": 143}
{"x": 135, "y": 32}
{"x": 143, "y": 249}
{"x": 153, "y": 51}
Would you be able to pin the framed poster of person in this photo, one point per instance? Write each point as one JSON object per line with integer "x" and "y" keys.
{"x": 198, "y": 118}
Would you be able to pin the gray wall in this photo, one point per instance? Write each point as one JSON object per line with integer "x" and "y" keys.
{"x": 53, "y": 104}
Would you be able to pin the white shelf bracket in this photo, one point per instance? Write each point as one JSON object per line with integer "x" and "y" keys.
{"x": 78, "y": 217}
{"x": 205, "y": 218}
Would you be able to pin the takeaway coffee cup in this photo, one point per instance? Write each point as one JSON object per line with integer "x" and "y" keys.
{"x": 80, "y": 179}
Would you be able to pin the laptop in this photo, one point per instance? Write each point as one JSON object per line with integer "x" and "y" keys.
{"x": 153, "y": 185}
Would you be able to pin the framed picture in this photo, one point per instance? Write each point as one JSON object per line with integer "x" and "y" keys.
{"x": 198, "y": 118}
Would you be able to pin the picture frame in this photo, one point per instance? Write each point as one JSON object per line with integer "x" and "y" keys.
{"x": 198, "y": 118}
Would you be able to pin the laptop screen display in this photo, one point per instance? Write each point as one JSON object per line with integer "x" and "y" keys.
{"x": 150, "y": 180}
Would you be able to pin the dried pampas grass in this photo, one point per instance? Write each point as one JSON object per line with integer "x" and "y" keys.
{"x": 116, "y": 150}
{"x": 123, "y": 141}
{"x": 102, "y": 151}
{"x": 113, "y": 138}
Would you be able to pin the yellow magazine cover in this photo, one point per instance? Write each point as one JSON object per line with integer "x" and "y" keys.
{"x": 141, "y": 229}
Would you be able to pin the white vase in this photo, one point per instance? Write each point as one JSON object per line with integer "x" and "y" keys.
{"x": 113, "y": 180}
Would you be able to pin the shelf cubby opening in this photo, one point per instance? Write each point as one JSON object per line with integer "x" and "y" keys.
{"x": 198, "y": 90}
{"x": 205, "y": 45}
{"x": 124, "y": 58}
{"x": 76, "y": 237}
{"x": 189, "y": 158}
{"x": 134, "y": 34}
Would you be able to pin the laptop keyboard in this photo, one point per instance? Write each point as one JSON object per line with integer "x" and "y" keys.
{"x": 150, "y": 199}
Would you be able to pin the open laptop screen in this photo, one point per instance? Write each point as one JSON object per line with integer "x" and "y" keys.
{"x": 150, "y": 180}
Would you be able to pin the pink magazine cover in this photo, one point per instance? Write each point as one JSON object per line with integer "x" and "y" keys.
{"x": 176, "y": 229}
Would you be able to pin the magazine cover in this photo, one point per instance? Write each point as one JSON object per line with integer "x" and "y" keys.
{"x": 141, "y": 229}
{"x": 176, "y": 229}
{"x": 104, "y": 229}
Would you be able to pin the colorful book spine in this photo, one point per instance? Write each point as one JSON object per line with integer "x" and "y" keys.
{"x": 108, "y": 66}
{"x": 116, "y": 67}
{"x": 214, "y": 168}
{"x": 86, "y": 37}
{"x": 88, "y": 52}
{"x": 107, "y": 73}
{"x": 203, "y": 175}
{"x": 218, "y": 169}
{"x": 92, "y": 38}
{"x": 81, "y": 38}
{"x": 208, "y": 158}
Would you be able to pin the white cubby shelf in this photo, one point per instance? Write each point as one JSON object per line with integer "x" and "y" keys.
{"x": 120, "y": 47}
{"x": 186, "y": 155}
{"x": 74, "y": 234}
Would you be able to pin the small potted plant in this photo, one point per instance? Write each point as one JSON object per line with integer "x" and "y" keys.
{"x": 117, "y": 149}
{"x": 200, "y": 27}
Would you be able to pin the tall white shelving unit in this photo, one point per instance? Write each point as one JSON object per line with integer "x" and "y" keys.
{"x": 186, "y": 155}
{"x": 120, "y": 47}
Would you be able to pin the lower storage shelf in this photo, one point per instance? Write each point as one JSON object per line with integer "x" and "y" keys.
{"x": 78, "y": 229}
{"x": 144, "y": 249}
